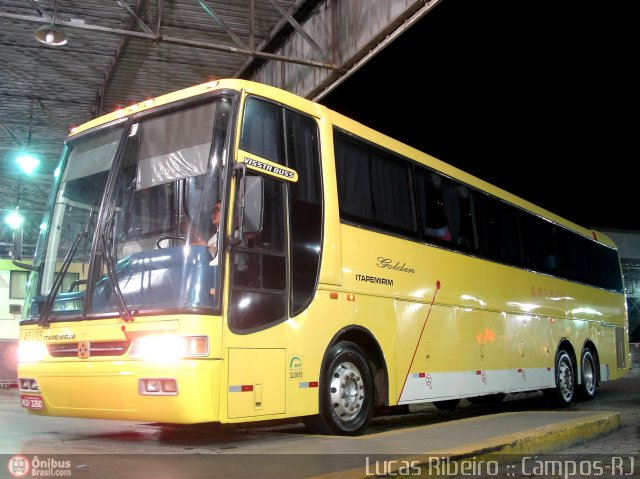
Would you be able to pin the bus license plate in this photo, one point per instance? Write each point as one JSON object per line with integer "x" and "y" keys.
{"x": 32, "y": 402}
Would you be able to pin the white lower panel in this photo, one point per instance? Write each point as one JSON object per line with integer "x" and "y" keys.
{"x": 425, "y": 386}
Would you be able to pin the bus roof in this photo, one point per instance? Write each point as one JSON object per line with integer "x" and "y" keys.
{"x": 348, "y": 124}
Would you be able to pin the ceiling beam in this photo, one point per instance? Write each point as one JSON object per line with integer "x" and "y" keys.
{"x": 175, "y": 41}
{"x": 40, "y": 11}
{"x": 134, "y": 16}
{"x": 159, "y": 9}
{"x": 352, "y": 66}
{"x": 297, "y": 27}
{"x": 272, "y": 34}
{"x": 36, "y": 97}
{"x": 13, "y": 137}
{"x": 224, "y": 26}
{"x": 98, "y": 107}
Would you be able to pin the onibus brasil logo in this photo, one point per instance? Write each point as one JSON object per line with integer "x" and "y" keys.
{"x": 21, "y": 466}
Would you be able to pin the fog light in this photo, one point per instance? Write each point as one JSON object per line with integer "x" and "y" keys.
{"x": 169, "y": 386}
{"x": 158, "y": 387}
{"x": 153, "y": 386}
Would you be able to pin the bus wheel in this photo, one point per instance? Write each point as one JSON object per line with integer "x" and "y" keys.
{"x": 563, "y": 393}
{"x": 346, "y": 396}
{"x": 587, "y": 389}
{"x": 447, "y": 405}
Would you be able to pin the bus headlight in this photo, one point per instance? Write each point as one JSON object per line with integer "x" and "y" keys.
{"x": 169, "y": 347}
{"x": 31, "y": 351}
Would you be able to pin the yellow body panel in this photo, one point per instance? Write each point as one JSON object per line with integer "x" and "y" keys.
{"x": 109, "y": 390}
{"x": 107, "y": 386}
{"x": 256, "y": 382}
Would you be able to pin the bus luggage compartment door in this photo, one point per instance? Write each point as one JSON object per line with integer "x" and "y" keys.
{"x": 256, "y": 382}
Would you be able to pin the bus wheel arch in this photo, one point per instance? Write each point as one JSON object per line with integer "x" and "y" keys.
{"x": 352, "y": 359}
{"x": 589, "y": 371}
{"x": 366, "y": 340}
{"x": 565, "y": 374}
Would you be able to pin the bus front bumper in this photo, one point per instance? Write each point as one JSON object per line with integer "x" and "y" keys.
{"x": 184, "y": 392}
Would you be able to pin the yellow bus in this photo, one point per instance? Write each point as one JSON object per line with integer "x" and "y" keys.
{"x": 247, "y": 254}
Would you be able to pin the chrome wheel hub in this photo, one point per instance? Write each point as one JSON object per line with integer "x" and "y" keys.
{"x": 346, "y": 391}
{"x": 565, "y": 379}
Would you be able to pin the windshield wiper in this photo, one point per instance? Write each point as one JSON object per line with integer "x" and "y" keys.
{"x": 113, "y": 280}
{"x": 47, "y": 306}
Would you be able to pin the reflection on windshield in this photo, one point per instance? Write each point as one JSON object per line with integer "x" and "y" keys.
{"x": 77, "y": 202}
{"x": 149, "y": 251}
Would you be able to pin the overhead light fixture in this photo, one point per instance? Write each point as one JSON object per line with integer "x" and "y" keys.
{"x": 25, "y": 159}
{"x": 51, "y": 34}
{"x": 14, "y": 219}
{"x": 27, "y": 162}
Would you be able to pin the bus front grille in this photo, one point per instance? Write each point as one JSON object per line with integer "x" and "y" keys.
{"x": 86, "y": 349}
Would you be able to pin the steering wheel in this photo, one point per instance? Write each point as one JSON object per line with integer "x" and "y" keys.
{"x": 169, "y": 237}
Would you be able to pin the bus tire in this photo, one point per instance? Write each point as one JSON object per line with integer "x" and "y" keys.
{"x": 346, "y": 393}
{"x": 563, "y": 393}
{"x": 588, "y": 376}
{"x": 447, "y": 405}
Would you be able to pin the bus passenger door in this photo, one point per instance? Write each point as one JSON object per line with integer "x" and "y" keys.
{"x": 257, "y": 302}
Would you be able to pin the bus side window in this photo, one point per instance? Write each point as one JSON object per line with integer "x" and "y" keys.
{"x": 538, "y": 241}
{"x": 499, "y": 230}
{"x": 445, "y": 211}
{"x": 262, "y": 130}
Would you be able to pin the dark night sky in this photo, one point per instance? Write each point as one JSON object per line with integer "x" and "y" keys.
{"x": 541, "y": 101}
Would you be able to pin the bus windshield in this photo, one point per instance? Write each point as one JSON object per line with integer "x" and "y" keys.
{"x": 134, "y": 223}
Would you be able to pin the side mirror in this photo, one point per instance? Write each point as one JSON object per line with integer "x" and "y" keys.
{"x": 17, "y": 244}
{"x": 253, "y": 203}
{"x": 16, "y": 254}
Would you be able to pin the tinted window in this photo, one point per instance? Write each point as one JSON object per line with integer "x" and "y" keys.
{"x": 446, "y": 212}
{"x": 374, "y": 187}
{"x": 538, "y": 243}
{"x": 262, "y": 132}
{"x": 499, "y": 230}
{"x": 305, "y": 208}
{"x": 260, "y": 263}
{"x": 603, "y": 267}
{"x": 571, "y": 255}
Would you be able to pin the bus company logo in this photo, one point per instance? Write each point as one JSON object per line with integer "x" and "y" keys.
{"x": 546, "y": 293}
{"x": 388, "y": 263}
{"x": 60, "y": 337}
{"x": 18, "y": 466}
{"x": 84, "y": 349}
